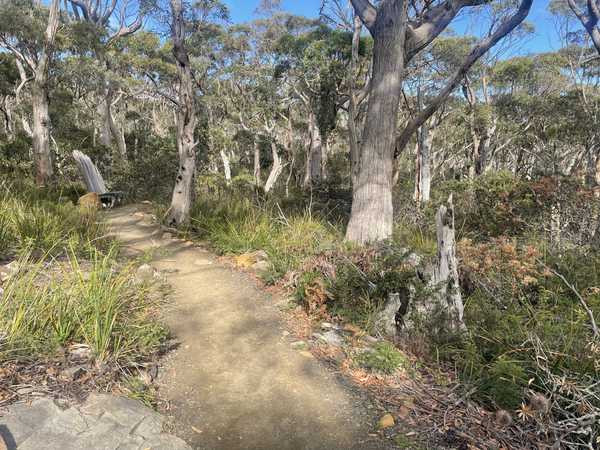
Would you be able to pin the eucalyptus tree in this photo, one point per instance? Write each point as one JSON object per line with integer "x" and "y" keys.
{"x": 400, "y": 31}
{"x": 109, "y": 21}
{"x": 315, "y": 57}
{"x": 341, "y": 15}
{"x": 9, "y": 80}
{"x": 588, "y": 14}
{"x": 541, "y": 127}
{"x": 262, "y": 93}
{"x": 581, "y": 48}
{"x": 28, "y": 30}
{"x": 191, "y": 29}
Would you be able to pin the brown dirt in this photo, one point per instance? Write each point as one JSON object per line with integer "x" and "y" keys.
{"x": 234, "y": 382}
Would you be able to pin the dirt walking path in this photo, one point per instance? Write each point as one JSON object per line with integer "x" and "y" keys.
{"x": 234, "y": 382}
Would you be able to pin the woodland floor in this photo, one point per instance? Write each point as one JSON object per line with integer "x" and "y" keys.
{"x": 234, "y": 381}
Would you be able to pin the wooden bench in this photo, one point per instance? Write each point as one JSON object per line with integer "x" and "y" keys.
{"x": 94, "y": 181}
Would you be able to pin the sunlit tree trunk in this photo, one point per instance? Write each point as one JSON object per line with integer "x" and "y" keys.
{"x": 183, "y": 193}
{"x": 226, "y": 166}
{"x": 423, "y": 170}
{"x": 39, "y": 93}
{"x": 111, "y": 132}
{"x": 371, "y": 218}
{"x": 276, "y": 169}
{"x": 256, "y": 171}
{"x": 314, "y": 155}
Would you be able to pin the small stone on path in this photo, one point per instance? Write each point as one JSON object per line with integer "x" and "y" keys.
{"x": 261, "y": 266}
{"x": 145, "y": 272}
{"x": 202, "y": 262}
{"x": 386, "y": 421}
{"x": 331, "y": 338}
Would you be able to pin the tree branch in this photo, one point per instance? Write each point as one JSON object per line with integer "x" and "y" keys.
{"x": 478, "y": 51}
{"x": 422, "y": 32}
{"x": 587, "y": 309}
{"x": 366, "y": 11}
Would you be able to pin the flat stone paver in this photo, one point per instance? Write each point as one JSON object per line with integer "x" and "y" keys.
{"x": 103, "y": 422}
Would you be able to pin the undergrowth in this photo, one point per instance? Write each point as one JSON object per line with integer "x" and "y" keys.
{"x": 526, "y": 328}
{"x": 45, "y": 223}
{"x": 66, "y": 285}
{"x": 97, "y": 305}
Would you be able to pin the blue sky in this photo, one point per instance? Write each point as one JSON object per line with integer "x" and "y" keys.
{"x": 544, "y": 39}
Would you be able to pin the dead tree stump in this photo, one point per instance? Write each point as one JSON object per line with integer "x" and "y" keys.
{"x": 445, "y": 275}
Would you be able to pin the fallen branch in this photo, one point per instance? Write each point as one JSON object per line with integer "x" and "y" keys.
{"x": 589, "y": 312}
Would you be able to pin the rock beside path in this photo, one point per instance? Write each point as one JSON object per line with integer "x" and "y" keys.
{"x": 104, "y": 422}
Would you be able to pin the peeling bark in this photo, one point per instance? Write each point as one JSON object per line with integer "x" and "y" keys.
{"x": 41, "y": 119}
{"x": 445, "y": 275}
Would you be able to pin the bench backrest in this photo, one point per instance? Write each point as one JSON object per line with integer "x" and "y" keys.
{"x": 91, "y": 176}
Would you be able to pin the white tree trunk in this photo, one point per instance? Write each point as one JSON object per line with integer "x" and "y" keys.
{"x": 42, "y": 155}
{"x": 423, "y": 169}
{"x": 314, "y": 155}
{"x": 257, "y": 179}
{"x": 106, "y": 138}
{"x": 226, "y": 166}
{"x": 183, "y": 193}
{"x": 276, "y": 169}
{"x": 115, "y": 131}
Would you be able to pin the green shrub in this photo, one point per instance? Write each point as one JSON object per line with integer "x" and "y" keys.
{"x": 384, "y": 358}
{"x": 45, "y": 221}
{"x": 517, "y": 308}
{"x": 150, "y": 175}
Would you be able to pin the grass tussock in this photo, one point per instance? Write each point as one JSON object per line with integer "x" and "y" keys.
{"x": 45, "y": 224}
{"x": 98, "y": 305}
{"x": 239, "y": 226}
{"x": 69, "y": 287}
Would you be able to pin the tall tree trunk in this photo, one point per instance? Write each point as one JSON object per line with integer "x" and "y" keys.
{"x": 226, "y": 166}
{"x": 116, "y": 133}
{"x": 256, "y": 172}
{"x": 110, "y": 132}
{"x": 106, "y": 137}
{"x": 276, "y": 169}
{"x": 42, "y": 155}
{"x": 352, "y": 106}
{"x": 41, "y": 134}
{"x": 183, "y": 193}
{"x": 372, "y": 214}
{"x": 314, "y": 156}
{"x": 423, "y": 171}
{"x": 325, "y": 159}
